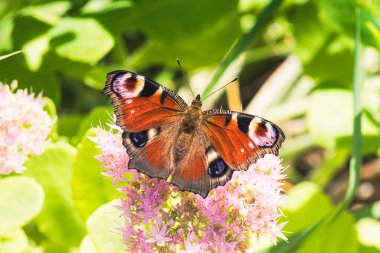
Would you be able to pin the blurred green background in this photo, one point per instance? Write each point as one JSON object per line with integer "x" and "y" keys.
{"x": 295, "y": 60}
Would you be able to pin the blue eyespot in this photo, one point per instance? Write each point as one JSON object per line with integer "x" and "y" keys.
{"x": 217, "y": 168}
{"x": 139, "y": 139}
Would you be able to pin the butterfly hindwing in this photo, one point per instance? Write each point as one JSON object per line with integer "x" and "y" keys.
{"x": 241, "y": 138}
{"x": 150, "y": 151}
{"x": 140, "y": 103}
{"x": 198, "y": 166}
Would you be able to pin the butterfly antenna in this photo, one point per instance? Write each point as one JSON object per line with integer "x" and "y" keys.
{"x": 183, "y": 73}
{"x": 237, "y": 78}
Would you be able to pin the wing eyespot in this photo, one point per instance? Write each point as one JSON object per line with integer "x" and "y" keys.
{"x": 217, "y": 168}
{"x": 139, "y": 139}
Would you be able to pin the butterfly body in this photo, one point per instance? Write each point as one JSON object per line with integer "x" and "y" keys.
{"x": 192, "y": 117}
{"x": 193, "y": 149}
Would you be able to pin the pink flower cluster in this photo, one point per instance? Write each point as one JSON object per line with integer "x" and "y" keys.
{"x": 24, "y": 128}
{"x": 161, "y": 218}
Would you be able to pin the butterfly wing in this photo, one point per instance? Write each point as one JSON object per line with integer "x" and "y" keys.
{"x": 148, "y": 113}
{"x": 240, "y": 138}
{"x": 140, "y": 103}
{"x": 197, "y": 165}
{"x": 151, "y": 151}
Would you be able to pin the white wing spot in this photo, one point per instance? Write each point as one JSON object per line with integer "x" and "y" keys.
{"x": 212, "y": 155}
{"x": 234, "y": 116}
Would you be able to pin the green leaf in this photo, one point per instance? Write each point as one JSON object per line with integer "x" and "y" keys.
{"x": 169, "y": 25}
{"x": 81, "y": 39}
{"x": 76, "y": 126}
{"x": 16, "y": 241}
{"x": 308, "y": 32}
{"x": 336, "y": 51}
{"x": 15, "y": 68}
{"x": 303, "y": 200}
{"x": 102, "y": 228}
{"x": 327, "y": 131}
{"x": 105, "y": 6}
{"x": 52, "y": 111}
{"x": 6, "y": 28}
{"x": 339, "y": 15}
{"x": 58, "y": 220}
{"x": 195, "y": 40}
{"x": 368, "y": 233}
{"x": 21, "y": 199}
{"x": 98, "y": 116}
{"x": 107, "y": 12}
{"x": 35, "y": 49}
{"x": 68, "y": 124}
{"x": 27, "y": 28}
{"x": 90, "y": 188}
{"x": 376, "y": 33}
{"x": 320, "y": 48}
{"x": 331, "y": 238}
{"x": 50, "y": 107}
{"x": 48, "y": 13}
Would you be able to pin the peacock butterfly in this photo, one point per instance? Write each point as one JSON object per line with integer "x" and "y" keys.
{"x": 193, "y": 149}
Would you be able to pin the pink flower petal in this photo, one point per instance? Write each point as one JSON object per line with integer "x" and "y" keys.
{"x": 24, "y": 128}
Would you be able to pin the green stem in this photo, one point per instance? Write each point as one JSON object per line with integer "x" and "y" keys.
{"x": 262, "y": 20}
{"x": 2, "y": 57}
{"x": 356, "y": 160}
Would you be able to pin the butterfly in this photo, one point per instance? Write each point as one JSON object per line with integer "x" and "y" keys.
{"x": 193, "y": 149}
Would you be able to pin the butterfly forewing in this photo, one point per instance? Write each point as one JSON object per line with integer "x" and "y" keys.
{"x": 241, "y": 138}
{"x": 140, "y": 103}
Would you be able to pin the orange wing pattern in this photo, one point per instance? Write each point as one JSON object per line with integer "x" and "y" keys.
{"x": 241, "y": 138}
{"x": 140, "y": 103}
